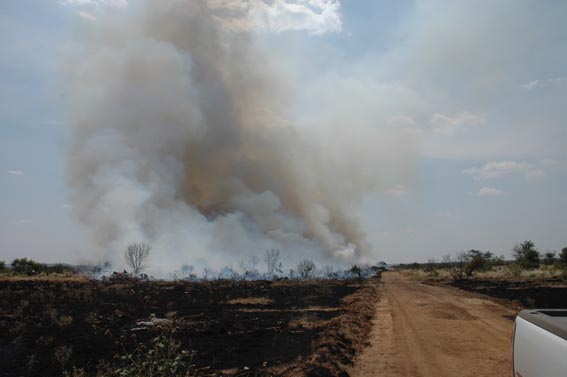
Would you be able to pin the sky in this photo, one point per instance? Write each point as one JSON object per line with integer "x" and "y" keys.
{"x": 474, "y": 92}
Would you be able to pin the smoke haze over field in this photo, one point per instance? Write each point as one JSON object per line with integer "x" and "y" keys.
{"x": 183, "y": 138}
{"x": 340, "y": 131}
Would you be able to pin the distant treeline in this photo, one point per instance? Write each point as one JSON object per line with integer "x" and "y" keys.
{"x": 464, "y": 264}
{"x": 29, "y": 267}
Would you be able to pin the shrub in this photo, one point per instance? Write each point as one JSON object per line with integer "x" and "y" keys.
{"x": 161, "y": 357}
{"x": 355, "y": 270}
{"x": 478, "y": 261}
{"x": 526, "y": 255}
{"x": 26, "y": 266}
{"x": 457, "y": 266}
{"x": 306, "y": 269}
{"x": 549, "y": 257}
{"x": 467, "y": 263}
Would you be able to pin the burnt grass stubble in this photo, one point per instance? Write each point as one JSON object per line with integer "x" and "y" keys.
{"x": 309, "y": 328}
{"x": 546, "y": 293}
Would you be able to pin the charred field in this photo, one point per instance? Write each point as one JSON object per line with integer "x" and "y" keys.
{"x": 260, "y": 328}
{"x": 544, "y": 293}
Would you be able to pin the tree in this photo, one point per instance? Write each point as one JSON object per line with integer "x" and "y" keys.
{"x": 563, "y": 260}
{"x": 478, "y": 261}
{"x": 272, "y": 260}
{"x": 467, "y": 263}
{"x": 306, "y": 269}
{"x": 227, "y": 273}
{"x": 27, "y": 266}
{"x": 136, "y": 255}
{"x": 249, "y": 267}
{"x": 207, "y": 273}
{"x": 187, "y": 269}
{"x": 456, "y": 267}
{"x": 102, "y": 267}
{"x": 330, "y": 272}
{"x": 355, "y": 270}
{"x": 526, "y": 255}
{"x": 549, "y": 257}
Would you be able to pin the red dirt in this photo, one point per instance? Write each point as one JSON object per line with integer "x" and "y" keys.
{"x": 422, "y": 330}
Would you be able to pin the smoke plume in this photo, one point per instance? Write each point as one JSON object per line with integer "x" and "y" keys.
{"x": 183, "y": 138}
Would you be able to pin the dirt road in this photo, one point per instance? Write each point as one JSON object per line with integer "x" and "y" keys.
{"x": 421, "y": 330}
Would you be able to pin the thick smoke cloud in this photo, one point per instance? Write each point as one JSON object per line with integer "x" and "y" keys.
{"x": 183, "y": 139}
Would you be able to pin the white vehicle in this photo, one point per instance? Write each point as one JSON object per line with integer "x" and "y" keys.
{"x": 539, "y": 345}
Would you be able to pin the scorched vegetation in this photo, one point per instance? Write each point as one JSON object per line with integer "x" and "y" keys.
{"x": 74, "y": 327}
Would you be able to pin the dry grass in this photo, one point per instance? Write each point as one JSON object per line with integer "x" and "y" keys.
{"x": 307, "y": 321}
{"x": 46, "y": 278}
{"x": 250, "y": 301}
{"x": 498, "y": 272}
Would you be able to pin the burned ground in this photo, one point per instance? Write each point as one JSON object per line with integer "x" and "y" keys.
{"x": 542, "y": 293}
{"x": 232, "y": 328}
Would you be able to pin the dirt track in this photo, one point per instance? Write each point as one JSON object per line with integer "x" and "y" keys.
{"x": 422, "y": 330}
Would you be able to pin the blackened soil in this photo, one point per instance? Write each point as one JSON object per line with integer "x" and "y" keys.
{"x": 544, "y": 294}
{"x": 48, "y": 327}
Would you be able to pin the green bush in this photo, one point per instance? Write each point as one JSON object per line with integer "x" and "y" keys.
{"x": 549, "y": 258}
{"x": 526, "y": 255}
{"x": 478, "y": 261}
{"x": 161, "y": 357}
{"x": 25, "y": 266}
{"x": 466, "y": 264}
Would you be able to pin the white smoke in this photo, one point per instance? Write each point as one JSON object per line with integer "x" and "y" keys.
{"x": 182, "y": 138}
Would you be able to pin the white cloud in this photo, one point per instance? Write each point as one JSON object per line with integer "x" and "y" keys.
{"x": 447, "y": 125}
{"x": 497, "y": 169}
{"x": 66, "y": 206}
{"x": 315, "y": 16}
{"x": 15, "y": 172}
{"x": 86, "y": 16}
{"x": 489, "y": 191}
{"x": 530, "y": 85}
{"x": 110, "y": 3}
{"x": 534, "y": 84}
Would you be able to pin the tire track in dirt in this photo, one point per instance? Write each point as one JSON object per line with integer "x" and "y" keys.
{"x": 428, "y": 331}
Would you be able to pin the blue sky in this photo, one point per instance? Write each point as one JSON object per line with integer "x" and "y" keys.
{"x": 475, "y": 92}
